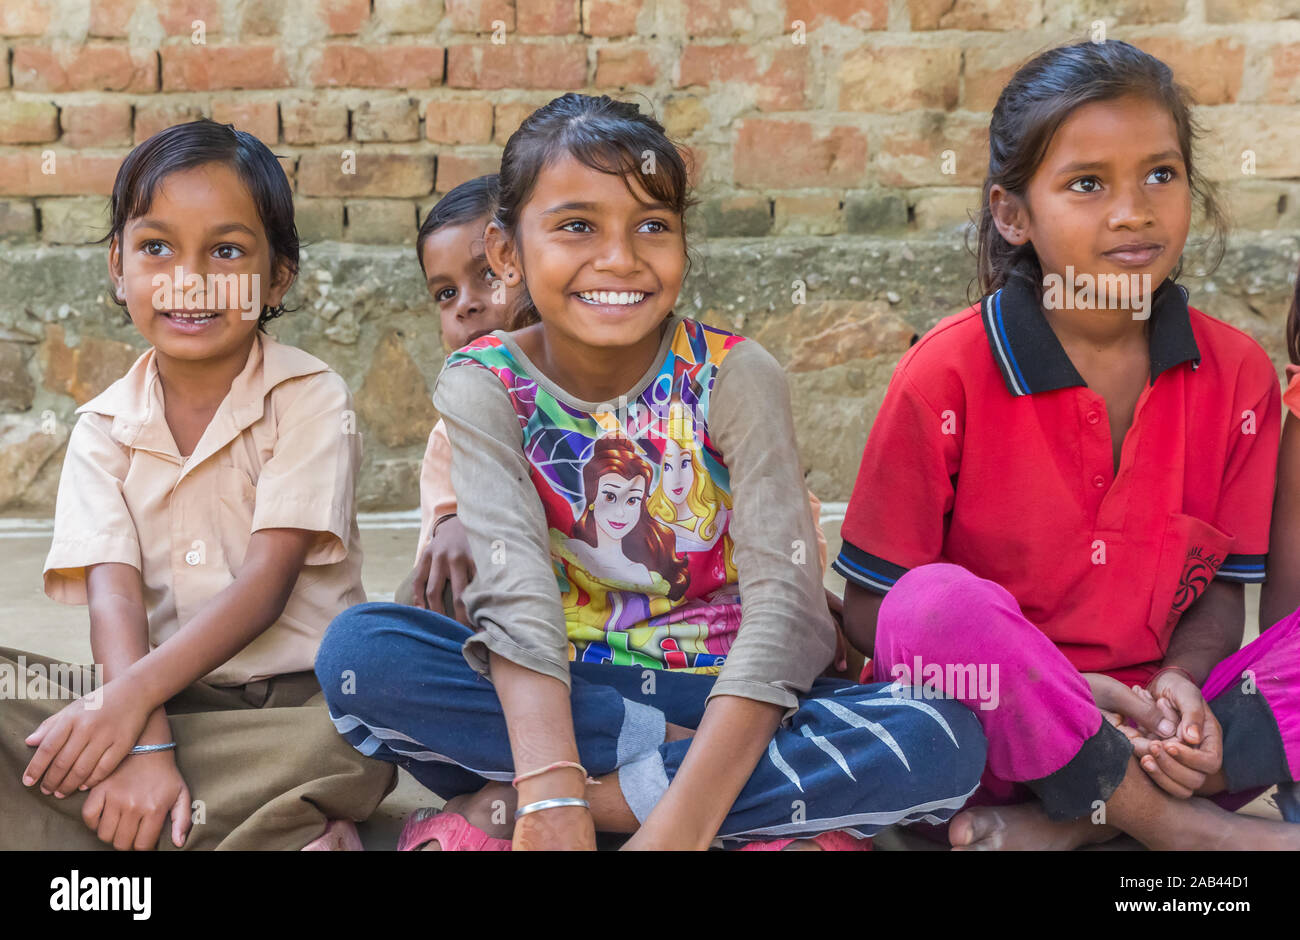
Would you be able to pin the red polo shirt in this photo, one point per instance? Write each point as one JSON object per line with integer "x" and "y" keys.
{"x": 991, "y": 452}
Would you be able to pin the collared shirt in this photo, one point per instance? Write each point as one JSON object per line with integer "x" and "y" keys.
{"x": 281, "y": 451}
{"x": 991, "y": 452}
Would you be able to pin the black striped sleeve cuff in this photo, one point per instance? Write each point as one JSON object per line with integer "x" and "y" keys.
{"x": 866, "y": 570}
{"x": 1247, "y": 569}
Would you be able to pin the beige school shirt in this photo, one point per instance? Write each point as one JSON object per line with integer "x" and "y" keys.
{"x": 282, "y": 451}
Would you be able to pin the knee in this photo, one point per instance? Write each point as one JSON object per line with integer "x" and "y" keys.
{"x": 967, "y": 757}
{"x": 933, "y": 600}
{"x": 371, "y": 650}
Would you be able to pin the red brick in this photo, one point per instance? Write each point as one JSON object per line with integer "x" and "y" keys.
{"x": 1282, "y": 83}
{"x": 717, "y": 18}
{"x": 75, "y": 174}
{"x": 986, "y": 71}
{"x": 477, "y": 16}
{"x": 1211, "y": 70}
{"x": 459, "y": 122}
{"x": 861, "y": 14}
{"x": 795, "y": 154}
{"x": 780, "y": 86}
{"x": 610, "y": 18}
{"x": 546, "y": 17}
{"x": 321, "y": 173}
{"x": 975, "y": 14}
{"x": 261, "y": 118}
{"x": 508, "y": 116}
{"x": 177, "y": 16}
{"x": 455, "y": 168}
{"x": 110, "y": 18}
{"x": 313, "y": 121}
{"x": 28, "y": 122}
{"x": 516, "y": 65}
{"x": 103, "y": 123}
{"x": 187, "y": 67}
{"x": 24, "y": 17}
{"x": 619, "y": 65}
{"x": 158, "y": 115}
{"x": 357, "y": 66}
{"x": 911, "y": 151}
{"x": 92, "y": 67}
{"x": 899, "y": 78}
{"x": 343, "y": 17}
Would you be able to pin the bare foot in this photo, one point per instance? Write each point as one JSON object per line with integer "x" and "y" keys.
{"x": 1021, "y": 827}
{"x": 491, "y": 809}
{"x": 340, "y": 835}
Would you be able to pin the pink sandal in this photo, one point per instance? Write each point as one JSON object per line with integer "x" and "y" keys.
{"x": 829, "y": 841}
{"x": 452, "y": 831}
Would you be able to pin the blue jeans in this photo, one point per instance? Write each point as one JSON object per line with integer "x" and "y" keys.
{"x": 853, "y": 757}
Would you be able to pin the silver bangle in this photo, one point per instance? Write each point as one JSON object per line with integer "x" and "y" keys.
{"x": 150, "y": 748}
{"x": 552, "y": 804}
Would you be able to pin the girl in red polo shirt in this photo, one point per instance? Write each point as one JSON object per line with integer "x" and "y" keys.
{"x": 1069, "y": 483}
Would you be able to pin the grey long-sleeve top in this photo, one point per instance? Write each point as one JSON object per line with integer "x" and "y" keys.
{"x": 521, "y": 600}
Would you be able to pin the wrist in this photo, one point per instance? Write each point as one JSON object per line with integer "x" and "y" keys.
{"x": 1163, "y": 675}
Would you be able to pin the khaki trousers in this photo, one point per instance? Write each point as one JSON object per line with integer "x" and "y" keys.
{"x": 265, "y": 767}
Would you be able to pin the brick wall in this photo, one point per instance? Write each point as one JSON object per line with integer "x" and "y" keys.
{"x": 803, "y": 116}
{"x": 842, "y": 153}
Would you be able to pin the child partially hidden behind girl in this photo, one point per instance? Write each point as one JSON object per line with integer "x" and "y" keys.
{"x": 641, "y": 601}
{"x": 205, "y": 514}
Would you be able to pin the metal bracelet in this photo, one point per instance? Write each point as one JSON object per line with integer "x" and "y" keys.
{"x": 150, "y": 748}
{"x": 551, "y": 804}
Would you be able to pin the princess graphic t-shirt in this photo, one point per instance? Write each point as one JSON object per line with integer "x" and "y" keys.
{"x": 638, "y": 507}
{"x": 626, "y": 532}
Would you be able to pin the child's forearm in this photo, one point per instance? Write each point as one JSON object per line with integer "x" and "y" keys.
{"x": 733, "y": 736}
{"x": 539, "y": 718}
{"x": 230, "y": 621}
{"x": 1209, "y": 631}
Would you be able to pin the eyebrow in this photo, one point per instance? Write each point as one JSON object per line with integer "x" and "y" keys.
{"x": 593, "y": 206}
{"x": 1101, "y": 164}
{"x": 219, "y": 230}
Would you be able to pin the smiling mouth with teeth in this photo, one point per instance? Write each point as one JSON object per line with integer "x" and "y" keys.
{"x": 617, "y": 298}
{"x": 189, "y": 316}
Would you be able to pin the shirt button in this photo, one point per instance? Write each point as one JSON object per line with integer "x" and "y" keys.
{"x": 192, "y": 557}
{"x": 1093, "y": 417}
{"x": 1099, "y": 481}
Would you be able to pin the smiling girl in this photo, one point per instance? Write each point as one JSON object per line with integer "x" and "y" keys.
{"x": 590, "y": 225}
{"x": 1074, "y": 494}
{"x": 205, "y": 515}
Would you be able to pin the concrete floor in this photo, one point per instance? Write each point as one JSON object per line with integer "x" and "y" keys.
{"x": 31, "y": 621}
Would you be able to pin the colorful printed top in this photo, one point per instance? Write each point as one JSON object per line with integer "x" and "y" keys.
{"x": 630, "y": 512}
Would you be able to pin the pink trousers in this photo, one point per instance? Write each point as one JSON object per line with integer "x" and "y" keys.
{"x": 943, "y": 628}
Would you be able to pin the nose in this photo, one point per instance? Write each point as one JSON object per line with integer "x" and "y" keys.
{"x": 472, "y": 304}
{"x": 616, "y": 254}
{"x": 1131, "y": 208}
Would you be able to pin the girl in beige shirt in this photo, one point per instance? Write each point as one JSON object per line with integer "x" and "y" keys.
{"x": 205, "y": 514}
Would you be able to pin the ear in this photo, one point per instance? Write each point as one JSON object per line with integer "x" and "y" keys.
{"x": 115, "y": 267}
{"x": 1010, "y": 215}
{"x": 282, "y": 278}
{"x": 501, "y": 255}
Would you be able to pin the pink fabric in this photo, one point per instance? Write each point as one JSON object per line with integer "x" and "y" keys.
{"x": 1274, "y": 660}
{"x": 943, "y": 614}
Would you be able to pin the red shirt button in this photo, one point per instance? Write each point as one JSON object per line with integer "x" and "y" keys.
{"x": 1093, "y": 417}
{"x": 1099, "y": 481}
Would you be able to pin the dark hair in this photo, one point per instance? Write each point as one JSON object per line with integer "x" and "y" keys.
{"x": 465, "y": 203}
{"x": 1293, "y": 327}
{"x": 1037, "y": 100}
{"x": 607, "y": 135}
{"x": 195, "y": 144}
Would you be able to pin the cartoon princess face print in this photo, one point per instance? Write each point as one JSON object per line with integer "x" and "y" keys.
{"x": 678, "y": 477}
{"x": 616, "y": 508}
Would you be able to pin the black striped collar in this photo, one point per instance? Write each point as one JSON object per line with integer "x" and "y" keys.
{"x": 1032, "y": 359}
